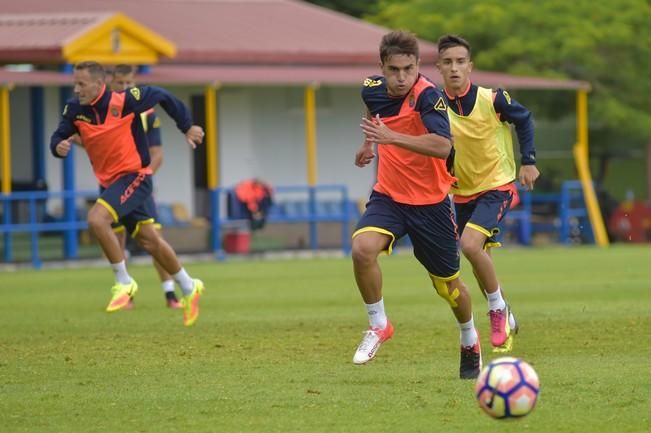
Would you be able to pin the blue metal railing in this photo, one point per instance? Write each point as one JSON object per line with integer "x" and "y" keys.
{"x": 292, "y": 204}
{"x": 70, "y": 225}
{"x": 572, "y": 206}
{"x": 304, "y": 207}
{"x": 73, "y": 222}
{"x": 568, "y": 207}
{"x": 521, "y": 215}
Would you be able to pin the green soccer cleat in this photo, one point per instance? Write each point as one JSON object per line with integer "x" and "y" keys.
{"x": 122, "y": 295}
{"x": 191, "y": 303}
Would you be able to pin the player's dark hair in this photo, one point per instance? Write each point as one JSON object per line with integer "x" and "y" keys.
{"x": 94, "y": 69}
{"x": 123, "y": 69}
{"x": 398, "y": 42}
{"x": 449, "y": 41}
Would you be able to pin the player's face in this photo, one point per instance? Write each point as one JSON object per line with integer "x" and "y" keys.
{"x": 400, "y": 72}
{"x": 86, "y": 87}
{"x": 122, "y": 82}
{"x": 455, "y": 66}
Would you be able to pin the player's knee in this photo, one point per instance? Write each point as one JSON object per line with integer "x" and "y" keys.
{"x": 470, "y": 248}
{"x": 149, "y": 240}
{"x": 363, "y": 251}
{"x": 99, "y": 217}
{"x": 446, "y": 290}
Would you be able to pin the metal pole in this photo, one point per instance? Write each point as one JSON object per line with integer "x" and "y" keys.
{"x": 581, "y": 157}
{"x": 70, "y": 240}
{"x": 311, "y": 151}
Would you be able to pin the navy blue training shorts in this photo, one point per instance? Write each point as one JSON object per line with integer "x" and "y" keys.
{"x": 431, "y": 228}
{"x": 130, "y": 202}
{"x": 484, "y": 214}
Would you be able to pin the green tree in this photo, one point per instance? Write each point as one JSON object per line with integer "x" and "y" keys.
{"x": 356, "y": 8}
{"x": 604, "y": 42}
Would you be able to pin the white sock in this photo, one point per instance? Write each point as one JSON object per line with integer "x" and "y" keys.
{"x": 168, "y": 286}
{"x": 468, "y": 333}
{"x": 184, "y": 281}
{"x": 377, "y": 318}
{"x": 121, "y": 274}
{"x": 495, "y": 300}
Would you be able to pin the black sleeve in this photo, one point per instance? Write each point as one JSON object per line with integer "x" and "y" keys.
{"x": 66, "y": 127}
{"x": 434, "y": 112}
{"x": 153, "y": 130}
{"x": 141, "y": 99}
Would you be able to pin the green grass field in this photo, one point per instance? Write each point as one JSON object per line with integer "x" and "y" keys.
{"x": 272, "y": 349}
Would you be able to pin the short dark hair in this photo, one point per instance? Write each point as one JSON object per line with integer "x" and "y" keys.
{"x": 398, "y": 42}
{"x": 94, "y": 69}
{"x": 123, "y": 69}
{"x": 449, "y": 41}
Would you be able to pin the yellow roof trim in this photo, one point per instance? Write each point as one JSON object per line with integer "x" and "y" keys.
{"x": 118, "y": 39}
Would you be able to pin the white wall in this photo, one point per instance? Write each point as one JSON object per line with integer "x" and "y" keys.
{"x": 261, "y": 131}
{"x": 174, "y": 181}
{"x": 262, "y": 134}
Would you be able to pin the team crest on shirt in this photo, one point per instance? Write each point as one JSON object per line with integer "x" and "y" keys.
{"x": 440, "y": 105}
{"x": 507, "y": 96}
{"x": 135, "y": 92}
{"x": 83, "y": 118}
{"x": 412, "y": 100}
{"x": 115, "y": 111}
{"x": 369, "y": 82}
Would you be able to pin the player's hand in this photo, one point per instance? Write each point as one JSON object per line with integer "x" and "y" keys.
{"x": 528, "y": 175}
{"x": 194, "y": 135}
{"x": 365, "y": 154}
{"x": 376, "y": 131}
{"x": 63, "y": 147}
{"x": 75, "y": 139}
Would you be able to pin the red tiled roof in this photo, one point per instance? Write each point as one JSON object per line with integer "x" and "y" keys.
{"x": 31, "y": 37}
{"x": 245, "y": 31}
{"x": 253, "y": 41}
{"x": 283, "y": 74}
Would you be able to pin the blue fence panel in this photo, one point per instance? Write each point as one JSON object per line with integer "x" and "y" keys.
{"x": 292, "y": 204}
{"x": 520, "y": 217}
{"x": 572, "y": 209}
{"x": 71, "y": 223}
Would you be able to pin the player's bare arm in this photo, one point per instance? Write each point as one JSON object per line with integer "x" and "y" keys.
{"x": 528, "y": 175}
{"x": 426, "y": 144}
{"x": 194, "y": 135}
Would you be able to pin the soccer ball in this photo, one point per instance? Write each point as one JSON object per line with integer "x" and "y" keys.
{"x": 507, "y": 388}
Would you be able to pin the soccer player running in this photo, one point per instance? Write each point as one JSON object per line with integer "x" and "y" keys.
{"x": 407, "y": 121}
{"x": 484, "y": 166}
{"x": 123, "y": 78}
{"x": 113, "y": 136}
